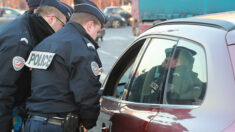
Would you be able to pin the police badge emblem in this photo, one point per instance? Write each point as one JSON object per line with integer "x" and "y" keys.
{"x": 95, "y": 68}
{"x": 18, "y": 63}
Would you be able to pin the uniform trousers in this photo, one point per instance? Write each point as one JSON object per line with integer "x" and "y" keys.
{"x": 41, "y": 126}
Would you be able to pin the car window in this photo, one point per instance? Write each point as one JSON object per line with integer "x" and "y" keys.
{"x": 122, "y": 72}
{"x": 187, "y": 78}
{"x": 119, "y": 10}
{"x": 108, "y": 11}
{"x": 105, "y": 10}
{"x": 149, "y": 78}
{"x": 7, "y": 11}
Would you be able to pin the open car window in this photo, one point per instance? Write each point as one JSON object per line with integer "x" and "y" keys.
{"x": 119, "y": 79}
{"x": 123, "y": 82}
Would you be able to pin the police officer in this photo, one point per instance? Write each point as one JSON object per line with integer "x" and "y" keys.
{"x": 33, "y": 5}
{"x": 65, "y": 75}
{"x": 17, "y": 38}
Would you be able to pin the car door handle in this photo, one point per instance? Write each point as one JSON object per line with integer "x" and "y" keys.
{"x": 104, "y": 128}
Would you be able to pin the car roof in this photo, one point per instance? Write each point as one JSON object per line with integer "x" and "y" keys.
{"x": 225, "y": 21}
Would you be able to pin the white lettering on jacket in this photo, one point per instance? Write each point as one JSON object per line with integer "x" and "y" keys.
{"x": 39, "y": 60}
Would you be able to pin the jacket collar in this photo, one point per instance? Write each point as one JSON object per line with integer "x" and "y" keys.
{"x": 83, "y": 32}
{"x": 39, "y": 28}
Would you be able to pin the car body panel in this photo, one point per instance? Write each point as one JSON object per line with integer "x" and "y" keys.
{"x": 135, "y": 114}
{"x": 110, "y": 109}
{"x": 217, "y": 60}
{"x": 230, "y": 128}
{"x": 230, "y": 37}
{"x": 170, "y": 120}
{"x": 123, "y": 116}
{"x": 232, "y": 55}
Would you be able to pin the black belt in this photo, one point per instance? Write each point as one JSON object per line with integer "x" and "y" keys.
{"x": 52, "y": 120}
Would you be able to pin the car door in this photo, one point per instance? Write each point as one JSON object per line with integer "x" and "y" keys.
{"x": 114, "y": 86}
{"x": 184, "y": 90}
{"x": 132, "y": 110}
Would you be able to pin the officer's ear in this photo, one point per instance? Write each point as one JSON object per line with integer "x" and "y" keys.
{"x": 50, "y": 19}
{"x": 90, "y": 26}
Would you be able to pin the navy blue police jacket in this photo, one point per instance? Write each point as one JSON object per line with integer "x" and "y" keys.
{"x": 17, "y": 39}
{"x": 70, "y": 81}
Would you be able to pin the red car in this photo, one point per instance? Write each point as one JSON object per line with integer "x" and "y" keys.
{"x": 177, "y": 76}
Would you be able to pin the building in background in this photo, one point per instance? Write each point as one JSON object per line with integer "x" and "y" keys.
{"x": 21, "y": 4}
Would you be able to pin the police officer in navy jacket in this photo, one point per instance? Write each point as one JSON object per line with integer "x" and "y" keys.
{"x": 17, "y": 38}
{"x": 65, "y": 73}
{"x": 33, "y": 5}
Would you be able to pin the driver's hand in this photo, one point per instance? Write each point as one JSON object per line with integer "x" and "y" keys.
{"x": 83, "y": 128}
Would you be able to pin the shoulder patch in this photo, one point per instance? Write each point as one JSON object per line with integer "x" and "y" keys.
{"x": 25, "y": 40}
{"x": 95, "y": 68}
{"x": 90, "y": 45}
{"x": 39, "y": 60}
{"x": 18, "y": 63}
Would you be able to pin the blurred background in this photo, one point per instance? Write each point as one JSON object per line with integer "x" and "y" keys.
{"x": 21, "y": 4}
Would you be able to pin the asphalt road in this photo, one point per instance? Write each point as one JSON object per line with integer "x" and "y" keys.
{"x": 115, "y": 43}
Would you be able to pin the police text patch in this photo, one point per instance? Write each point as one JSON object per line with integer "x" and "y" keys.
{"x": 39, "y": 60}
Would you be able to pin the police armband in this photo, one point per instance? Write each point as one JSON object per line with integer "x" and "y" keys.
{"x": 39, "y": 60}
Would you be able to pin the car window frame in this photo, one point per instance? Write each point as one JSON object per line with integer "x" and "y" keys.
{"x": 180, "y": 106}
{"x": 148, "y": 38}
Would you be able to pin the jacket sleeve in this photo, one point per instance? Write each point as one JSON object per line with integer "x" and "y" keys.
{"x": 85, "y": 86}
{"x": 9, "y": 78}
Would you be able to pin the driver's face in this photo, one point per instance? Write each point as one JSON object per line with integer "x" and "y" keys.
{"x": 166, "y": 62}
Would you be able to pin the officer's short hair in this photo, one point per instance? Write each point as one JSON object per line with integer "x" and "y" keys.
{"x": 47, "y": 10}
{"x": 82, "y": 18}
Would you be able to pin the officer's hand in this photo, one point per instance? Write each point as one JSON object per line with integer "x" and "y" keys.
{"x": 85, "y": 130}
